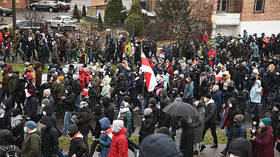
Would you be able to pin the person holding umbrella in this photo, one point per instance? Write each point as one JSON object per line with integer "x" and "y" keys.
{"x": 210, "y": 120}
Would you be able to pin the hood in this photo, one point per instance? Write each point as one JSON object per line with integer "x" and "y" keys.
{"x": 47, "y": 121}
{"x": 159, "y": 145}
{"x": 37, "y": 65}
{"x": 118, "y": 125}
{"x": 107, "y": 80}
{"x": 164, "y": 93}
{"x": 105, "y": 101}
{"x": 123, "y": 131}
{"x": 48, "y": 109}
{"x": 210, "y": 101}
{"x": 259, "y": 82}
{"x": 105, "y": 123}
{"x": 240, "y": 147}
{"x": 15, "y": 121}
{"x": 153, "y": 101}
{"x": 6, "y": 138}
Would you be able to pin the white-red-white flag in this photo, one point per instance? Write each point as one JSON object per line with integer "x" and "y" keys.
{"x": 149, "y": 73}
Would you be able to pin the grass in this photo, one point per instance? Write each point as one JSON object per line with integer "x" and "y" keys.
{"x": 64, "y": 142}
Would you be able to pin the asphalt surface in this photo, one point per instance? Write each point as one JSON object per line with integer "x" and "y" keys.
{"x": 49, "y": 15}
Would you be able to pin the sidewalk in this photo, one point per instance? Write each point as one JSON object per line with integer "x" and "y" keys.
{"x": 207, "y": 152}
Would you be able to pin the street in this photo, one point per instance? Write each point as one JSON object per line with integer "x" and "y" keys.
{"x": 49, "y": 15}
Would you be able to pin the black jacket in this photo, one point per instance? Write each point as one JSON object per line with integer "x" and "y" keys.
{"x": 83, "y": 121}
{"x": 147, "y": 126}
{"x": 31, "y": 107}
{"x": 49, "y": 138}
{"x": 68, "y": 103}
{"x": 210, "y": 112}
{"x": 78, "y": 147}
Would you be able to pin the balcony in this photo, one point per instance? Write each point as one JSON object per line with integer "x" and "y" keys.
{"x": 227, "y": 18}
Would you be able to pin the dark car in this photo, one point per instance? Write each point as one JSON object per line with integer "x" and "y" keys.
{"x": 5, "y": 11}
{"x": 45, "y": 5}
{"x": 64, "y": 6}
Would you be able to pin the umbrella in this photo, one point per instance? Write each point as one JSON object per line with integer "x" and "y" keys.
{"x": 181, "y": 109}
{"x": 184, "y": 110}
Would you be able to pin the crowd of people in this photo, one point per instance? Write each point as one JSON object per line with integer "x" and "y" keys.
{"x": 232, "y": 80}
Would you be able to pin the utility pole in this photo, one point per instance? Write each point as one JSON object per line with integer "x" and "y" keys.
{"x": 14, "y": 20}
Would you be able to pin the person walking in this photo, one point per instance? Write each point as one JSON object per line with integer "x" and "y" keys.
{"x": 264, "y": 140}
{"x": 210, "y": 120}
{"x": 119, "y": 144}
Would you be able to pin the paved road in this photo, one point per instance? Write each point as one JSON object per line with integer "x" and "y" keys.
{"x": 47, "y": 15}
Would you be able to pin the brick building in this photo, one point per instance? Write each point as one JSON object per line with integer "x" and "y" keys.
{"x": 8, "y": 4}
{"x": 231, "y": 17}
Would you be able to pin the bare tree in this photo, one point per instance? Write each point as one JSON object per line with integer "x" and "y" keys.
{"x": 184, "y": 17}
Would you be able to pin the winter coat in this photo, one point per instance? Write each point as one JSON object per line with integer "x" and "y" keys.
{"x": 92, "y": 93}
{"x": 39, "y": 71}
{"x": 83, "y": 121}
{"x": 61, "y": 90}
{"x": 255, "y": 50}
{"x": 229, "y": 116}
{"x": 68, "y": 103}
{"x": 275, "y": 124}
{"x": 119, "y": 144}
{"x": 182, "y": 85}
{"x": 77, "y": 146}
{"x": 31, "y": 107}
{"x": 147, "y": 126}
{"x": 6, "y": 79}
{"x": 106, "y": 86}
{"x": 264, "y": 143}
{"x": 109, "y": 112}
{"x": 187, "y": 141}
{"x": 105, "y": 137}
{"x": 31, "y": 146}
{"x": 126, "y": 116}
{"x": 198, "y": 131}
{"x": 189, "y": 90}
{"x": 238, "y": 131}
{"x": 49, "y": 138}
{"x": 164, "y": 119}
{"x": 210, "y": 112}
{"x": 217, "y": 96}
{"x": 54, "y": 52}
{"x": 256, "y": 93}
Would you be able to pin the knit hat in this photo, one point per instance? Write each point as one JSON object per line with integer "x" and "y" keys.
{"x": 148, "y": 111}
{"x": 60, "y": 78}
{"x": 163, "y": 130}
{"x": 266, "y": 121}
{"x": 239, "y": 118}
{"x": 153, "y": 101}
{"x": 159, "y": 145}
{"x": 31, "y": 125}
{"x": 117, "y": 125}
{"x": 73, "y": 130}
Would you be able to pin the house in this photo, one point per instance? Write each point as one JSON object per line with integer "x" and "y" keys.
{"x": 231, "y": 17}
{"x": 20, "y": 4}
{"x": 99, "y": 6}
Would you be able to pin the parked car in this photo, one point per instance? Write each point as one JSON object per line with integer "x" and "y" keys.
{"x": 64, "y": 22}
{"x": 5, "y": 11}
{"x": 64, "y": 6}
{"x": 45, "y": 5}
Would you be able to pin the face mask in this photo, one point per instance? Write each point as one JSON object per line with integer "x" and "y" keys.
{"x": 231, "y": 155}
{"x": 261, "y": 125}
{"x": 122, "y": 107}
{"x": 25, "y": 129}
{"x": 4, "y": 106}
{"x": 44, "y": 113}
{"x": 230, "y": 105}
{"x": 205, "y": 100}
{"x": 66, "y": 91}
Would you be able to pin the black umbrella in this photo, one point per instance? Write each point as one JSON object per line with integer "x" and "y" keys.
{"x": 184, "y": 110}
{"x": 181, "y": 109}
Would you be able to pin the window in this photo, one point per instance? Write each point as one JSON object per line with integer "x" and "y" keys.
{"x": 17, "y": 1}
{"x": 5, "y": 1}
{"x": 222, "y": 5}
{"x": 57, "y": 18}
{"x": 259, "y": 6}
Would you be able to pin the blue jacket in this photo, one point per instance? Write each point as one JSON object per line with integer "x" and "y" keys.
{"x": 238, "y": 131}
{"x": 217, "y": 97}
{"x": 189, "y": 90}
{"x": 255, "y": 50}
{"x": 105, "y": 140}
{"x": 256, "y": 93}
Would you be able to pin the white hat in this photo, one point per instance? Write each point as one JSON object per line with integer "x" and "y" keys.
{"x": 117, "y": 125}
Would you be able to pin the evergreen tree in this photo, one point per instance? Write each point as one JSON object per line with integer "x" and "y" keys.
{"x": 100, "y": 23}
{"x": 76, "y": 12}
{"x": 134, "y": 25}
{"x": 135, "y": 9}
{"x": 84, "y": 13}
{"x": 113, "y": 11}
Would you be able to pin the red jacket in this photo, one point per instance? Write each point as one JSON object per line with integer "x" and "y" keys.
{"x": 119, "y": 144}
{"x": 264, "y": 143}
{"x": 170, "y": 71}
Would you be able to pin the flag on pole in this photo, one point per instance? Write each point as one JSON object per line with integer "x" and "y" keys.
{"x": 149, "y": 73}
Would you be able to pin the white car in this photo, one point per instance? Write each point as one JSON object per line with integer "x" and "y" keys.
{"x": 62, "y": 22}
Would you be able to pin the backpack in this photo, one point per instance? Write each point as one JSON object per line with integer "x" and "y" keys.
{"x": 10, "y": 151}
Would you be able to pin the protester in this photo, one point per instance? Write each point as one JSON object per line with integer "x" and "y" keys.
{"x": 32, "y": 143}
